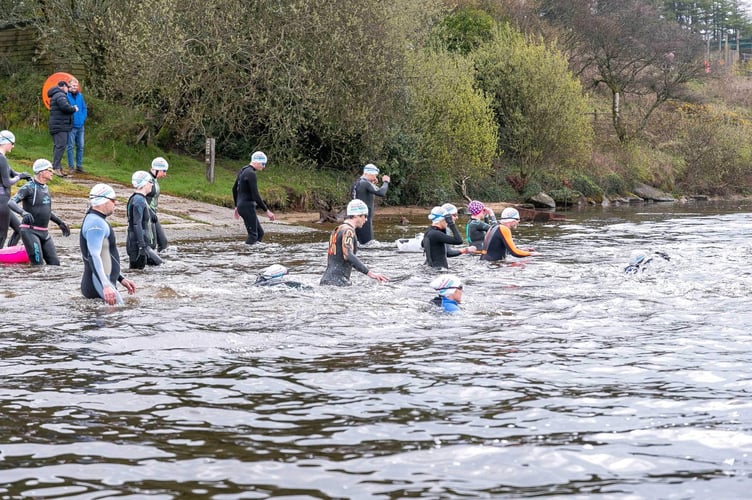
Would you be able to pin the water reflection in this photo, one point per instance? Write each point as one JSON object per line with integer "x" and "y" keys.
{"x": 563, "y": 376}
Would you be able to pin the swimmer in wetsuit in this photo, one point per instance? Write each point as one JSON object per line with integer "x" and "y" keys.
{"x": 498, "y": 242}
{"x": 436, "y": 240}
{"x": 99, "y": 250}
{"x": 274, "y": 275}
{"x": 7, "y": 178}
{"x": 449, "y": 288}
{"x": 157, "y": 236}
{"x": 482, "y": 218}
{"x": 36, "y": 213}
{"x": 343, "y": 245}
{"x": 245, "y": 195}
{"x": 365, "y": 189}
{"x": 139, "y": 223}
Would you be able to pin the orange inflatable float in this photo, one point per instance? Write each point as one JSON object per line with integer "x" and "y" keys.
{"x": 52, "y": 81}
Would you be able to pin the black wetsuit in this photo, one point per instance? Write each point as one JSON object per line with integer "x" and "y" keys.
{"x": 6, "y": 174}
{"x": 35, "y": 199}
{"x": 365, "y": 190}
{"x": 137, "y": 238}
{"x": 435, "y": 243}
{"x": 476, "y": 231}
{"x": 157, "y": 237}
{"x": 247, "y": 199}
{"x": 341, "y": 258}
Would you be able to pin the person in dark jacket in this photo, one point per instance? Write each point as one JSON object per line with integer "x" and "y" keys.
{"x": 365, "y": 189}
{"x": 436, "y": 241}
{"x": 76, "y": 134}
{"x": 245, "y": 195}
{"x": 60, "y": 123}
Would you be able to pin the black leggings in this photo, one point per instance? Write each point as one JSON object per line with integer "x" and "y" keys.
{"x": 252, "y": 225}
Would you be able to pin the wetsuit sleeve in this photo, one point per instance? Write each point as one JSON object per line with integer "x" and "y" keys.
{"x": 235, "y": 191}
{"x": 138, "y": 229}
{"x": 95, "y": 237}
{"x": 253, "y": 188}
{"x": 20, "y": 195}
{"x": 380, "y": 191}
{"x": 348, "y": 251}
{"x": 506, "y": 233}
{"x": 455, "y": 239}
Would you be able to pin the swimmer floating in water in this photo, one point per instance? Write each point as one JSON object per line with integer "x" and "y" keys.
{"x": 640, "y": 261}
{"x": 275, "y": 275}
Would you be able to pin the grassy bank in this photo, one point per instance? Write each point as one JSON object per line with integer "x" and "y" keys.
{"x": 284, "y": 187}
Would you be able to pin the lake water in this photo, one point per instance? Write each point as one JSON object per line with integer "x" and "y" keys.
{"x": 562, "y": 377}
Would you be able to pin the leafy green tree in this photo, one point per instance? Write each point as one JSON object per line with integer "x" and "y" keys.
{"x": 538, "y": 104}
{"x": 456, "y": 135}
{"x": 465, "y": 29}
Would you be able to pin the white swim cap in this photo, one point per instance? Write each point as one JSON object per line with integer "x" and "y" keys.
{"x": 41, "y": 165}
{"x": 357, "y": 207}
{"x": 140, "y": 178}
{"x": 6, "y": 136}
{"x": 101, "y": 194}
{"x": 450, "y": 209}
{"x": 510, "y": 213}
{"x": 371, "y": 169}
{"x": 160, "y": 163}
{"x": 437, "y": 213}
{"x": 258, "y": 156}
{"x": 446, "y": 284}
{"x": 274, "y": 271}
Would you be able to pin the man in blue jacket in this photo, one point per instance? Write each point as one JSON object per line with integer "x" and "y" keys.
{"x": 60, "y": 123}
{"x": 76, "y": 134}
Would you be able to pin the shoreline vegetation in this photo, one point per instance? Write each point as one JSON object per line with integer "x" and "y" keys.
{"x": 452, "y": 100}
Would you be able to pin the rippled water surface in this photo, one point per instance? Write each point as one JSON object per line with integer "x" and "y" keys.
{"x": 563, "y": 376}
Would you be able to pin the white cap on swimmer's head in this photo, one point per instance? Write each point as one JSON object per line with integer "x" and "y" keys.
{"x": 437, "y": 213}
{"x": 450, "y": 209}
{"x": 258, "y": 156}
{"x": 101, "y": 194}
{"x": 141, "y": 178}
{"x": 160, "y": 163}
{"x": 275, "y": 271}
{"x": 7, "y": 137}
{"x": 41, "y": 165}
{"x": 510, "y": 213}
{"x": 357, "y": 207}
{"x": 371, "y": 169}
{"x": 446, "y": 284}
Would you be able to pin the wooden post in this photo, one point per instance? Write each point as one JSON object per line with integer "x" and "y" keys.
{"x": 210, "y": 146}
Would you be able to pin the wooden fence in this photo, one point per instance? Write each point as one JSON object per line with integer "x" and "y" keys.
{"x": 18, "y": 44}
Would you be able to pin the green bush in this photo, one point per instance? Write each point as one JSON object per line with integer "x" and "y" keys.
{"x": 586, "y": 186}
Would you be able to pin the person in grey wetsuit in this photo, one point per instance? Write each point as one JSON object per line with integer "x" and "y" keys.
{"x": 139, "y": 223}
{"x": 482, "y": 218}
{"x": 365, "y": 189}
{"x": 35, "y": 210}
{"x": 343, "y": 245}
{"x": 99, "y": 250}
{"x": 157, "y": 236}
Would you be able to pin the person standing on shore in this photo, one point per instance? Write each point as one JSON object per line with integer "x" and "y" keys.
{"x": 365, "y": 189}
{"x": 60, "y": 123}
{"x": 343, "y": 245}
{"x": 8, "y": 177}
{"x": 76, "y": 134}
{"x": 36, "y": 214}
{"x": 99, "y": 250}
{"x": 245, "y": 195}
